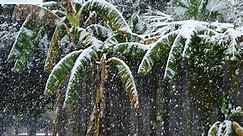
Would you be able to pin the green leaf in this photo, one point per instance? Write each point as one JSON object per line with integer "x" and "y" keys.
{"x": 127, "y": 79}
{"x": 84, "y": 60}
{"x": 148, "y": 61}
{"x": 233, "y": 48}
{"x": 54, "y": 47}
{"x": 179, "y": 45}
{"x": 175, "y": 51}
{"x": 130, "y": 49}
{"x": 74, "y": 20}
{"x": 30, "y": 34}
{"x": 213, "y": 131}
{"x": 154, "y": 54}
{"x": 134, "y": 20}
{"x": 107, "y": 12}
{"x": 99, "y": 31}
{"x": 60, "y": 72}
{"x": 92, "y": 33}
{"x": 27, "y": 40}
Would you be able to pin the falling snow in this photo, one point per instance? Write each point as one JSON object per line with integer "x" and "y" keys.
{"x": 171, "y": 68}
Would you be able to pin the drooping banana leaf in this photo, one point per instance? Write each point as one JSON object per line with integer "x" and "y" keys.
{"x": 182, "y": 43}
{"x": 179, "y": 45}
{"x": 107, "y": 12}
{"x": 174, "y": 54}
{"x": 61, "y": 72}
{"x": 27, "y": 39}
{"x": 127, "y": 79}
{"x": 99, "y": 31}
{"x": 93, "y": 31}
{"x": 156, "y": 51}
{"x": 30, "y": 33}
{"x": 132, "y": 50}
{"x": 214, "y": 129}
{"x": 84, "y": 60}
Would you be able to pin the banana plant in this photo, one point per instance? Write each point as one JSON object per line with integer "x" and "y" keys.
{"x": 110, "y": 29}
{"x": 73, "y": 67}
{"x": 67, "y": 20}
{"x": 178, "y": 38}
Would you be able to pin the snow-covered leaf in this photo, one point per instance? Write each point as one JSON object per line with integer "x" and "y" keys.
{"x": 30, "y": 32}
{"x": 181, "y": 44}
{"x": 108, "y": 13}
{"x": 99, "y": 31}
{"x": 225, "y": 128}
{"x": 233, "y": 48}
{"x": 214, "y": 129}
{"x": 60, "y": 72}
{"x": 84, "y": 60}
{"x": 127, "y": 79}
{"x": 152, "y": 56}
{"x": 27, "y": 40}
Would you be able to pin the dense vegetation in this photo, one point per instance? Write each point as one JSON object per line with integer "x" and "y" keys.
{"x": 179, "y": 76}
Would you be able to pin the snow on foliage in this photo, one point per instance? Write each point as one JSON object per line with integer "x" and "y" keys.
{"x": 27, "y": 39}
{"x": 216, "y": 5}
{"x": 232, "y": 35}
{"x": 214, "y": 129}
{"x": 60, "y": 72}
{"x": 84, "y": 60}
{"x": 210, "y": 10}
{"x": 108, "y": 12}
{"x": 127, "y": 78}
{"x": 30, "y": 33}
{"x": 99, "y": 31}
{"x": 182, "y": 33}
{"x": 148, "y": 21}
{"x": 7, "y": 34}
{"x": 225, "y": 128}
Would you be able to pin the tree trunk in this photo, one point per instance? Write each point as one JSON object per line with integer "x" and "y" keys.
{"x": 100, "y": 94}
{"x": 94, "y": 126}
{"x": 58, "y": 126}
